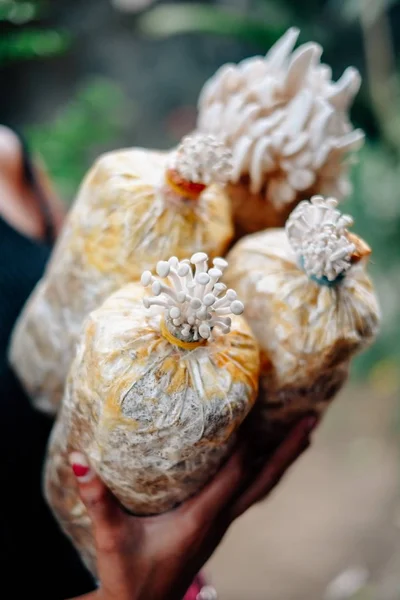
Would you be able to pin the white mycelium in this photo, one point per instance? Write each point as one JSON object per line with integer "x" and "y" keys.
{"x": 202, "y": 158}
{"x": 318, "y": 234}
{"x": 285, "y": 120}
{"x": 194, "y": 302}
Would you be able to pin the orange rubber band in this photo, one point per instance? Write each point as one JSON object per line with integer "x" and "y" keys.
{"x": 188, "y": 189}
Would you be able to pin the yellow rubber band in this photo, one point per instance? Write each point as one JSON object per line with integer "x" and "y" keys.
{"x": 165, "y": 332}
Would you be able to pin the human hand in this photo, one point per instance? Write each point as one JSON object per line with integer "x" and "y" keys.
{"x": 157, "y": 558}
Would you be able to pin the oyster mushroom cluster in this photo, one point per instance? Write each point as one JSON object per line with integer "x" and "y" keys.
{"x": 286, "y": 123}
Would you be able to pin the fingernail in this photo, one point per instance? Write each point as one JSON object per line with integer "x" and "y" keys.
{"x": 310, "y": 423}
{"x": 80, "y": 467}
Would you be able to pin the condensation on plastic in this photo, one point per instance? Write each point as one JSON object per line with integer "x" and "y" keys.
{"x": 154, "y": 420}
{"x": 124, "y": 220}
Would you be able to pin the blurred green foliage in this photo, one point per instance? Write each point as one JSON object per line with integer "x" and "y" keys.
{"x": 375, "y": 205}
{"x": 70, "y": 141}
{"x": 351, "y": 9}
{"x": 31, "y": 42}
{"x": 171, "y": 19}
{"x": 18, "y": 12}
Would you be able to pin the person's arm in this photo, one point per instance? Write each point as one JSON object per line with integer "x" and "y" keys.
{"x": 56, "y": 205}
{"x": 19, "y": 204}
{"x": 157, "y": 558}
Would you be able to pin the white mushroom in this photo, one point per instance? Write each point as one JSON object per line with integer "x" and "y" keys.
{"x": 318, "y": 234}
{"x": 285, "y": 121}
{"x": 193, "y": 303}
{"x": 202, "y": 158}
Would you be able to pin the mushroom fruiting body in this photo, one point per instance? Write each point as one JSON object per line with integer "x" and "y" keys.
{"x": 287, "y": 125}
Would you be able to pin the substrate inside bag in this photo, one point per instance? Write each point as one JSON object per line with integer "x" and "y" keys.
{"x": 129, "y": 213}
{"x": 155, "y": 415}
{"x": 308, "y": 326}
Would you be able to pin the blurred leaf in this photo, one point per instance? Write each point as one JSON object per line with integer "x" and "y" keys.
{"x": 274, "y": 11}
{"x": 351, "y": 9}
{"x": 31, "y": 44}
{"x": 172, "y": 19}
{"x": 376, "y": 209}
{"x": 131, "y": 6}
{"x": 18, "y": 12}
{"x": 68, "y": 143}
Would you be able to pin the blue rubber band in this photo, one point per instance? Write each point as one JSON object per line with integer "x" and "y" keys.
{"x": 323, "y": 280}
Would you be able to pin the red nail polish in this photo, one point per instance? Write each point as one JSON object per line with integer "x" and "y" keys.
{"x": 311, "y": 423}
{"x": 80, "y": 467}
{"x": 80, "y": 470}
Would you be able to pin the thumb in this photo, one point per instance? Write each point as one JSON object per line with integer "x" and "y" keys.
{"x": 101, "y": 505}
{"x": 276, "y": 466}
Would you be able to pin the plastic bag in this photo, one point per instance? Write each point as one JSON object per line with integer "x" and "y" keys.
{"x": 154, "y": 398}
{"x": 288, "y": 126}
{"x": 311, "y": 306}
{"x": 134, "y": 207}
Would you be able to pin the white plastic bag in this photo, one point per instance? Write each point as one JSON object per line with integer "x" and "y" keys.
{"x": 311, "y": 305}
{"x": 154, "y": 397}
{"x": 134, "y": 207}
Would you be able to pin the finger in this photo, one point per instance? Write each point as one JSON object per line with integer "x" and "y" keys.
{"x": 113, "y": 530}
{"x": 102, "y": 507}
{"x": 295, "y": 444}
{"x": 218, "y": 492}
